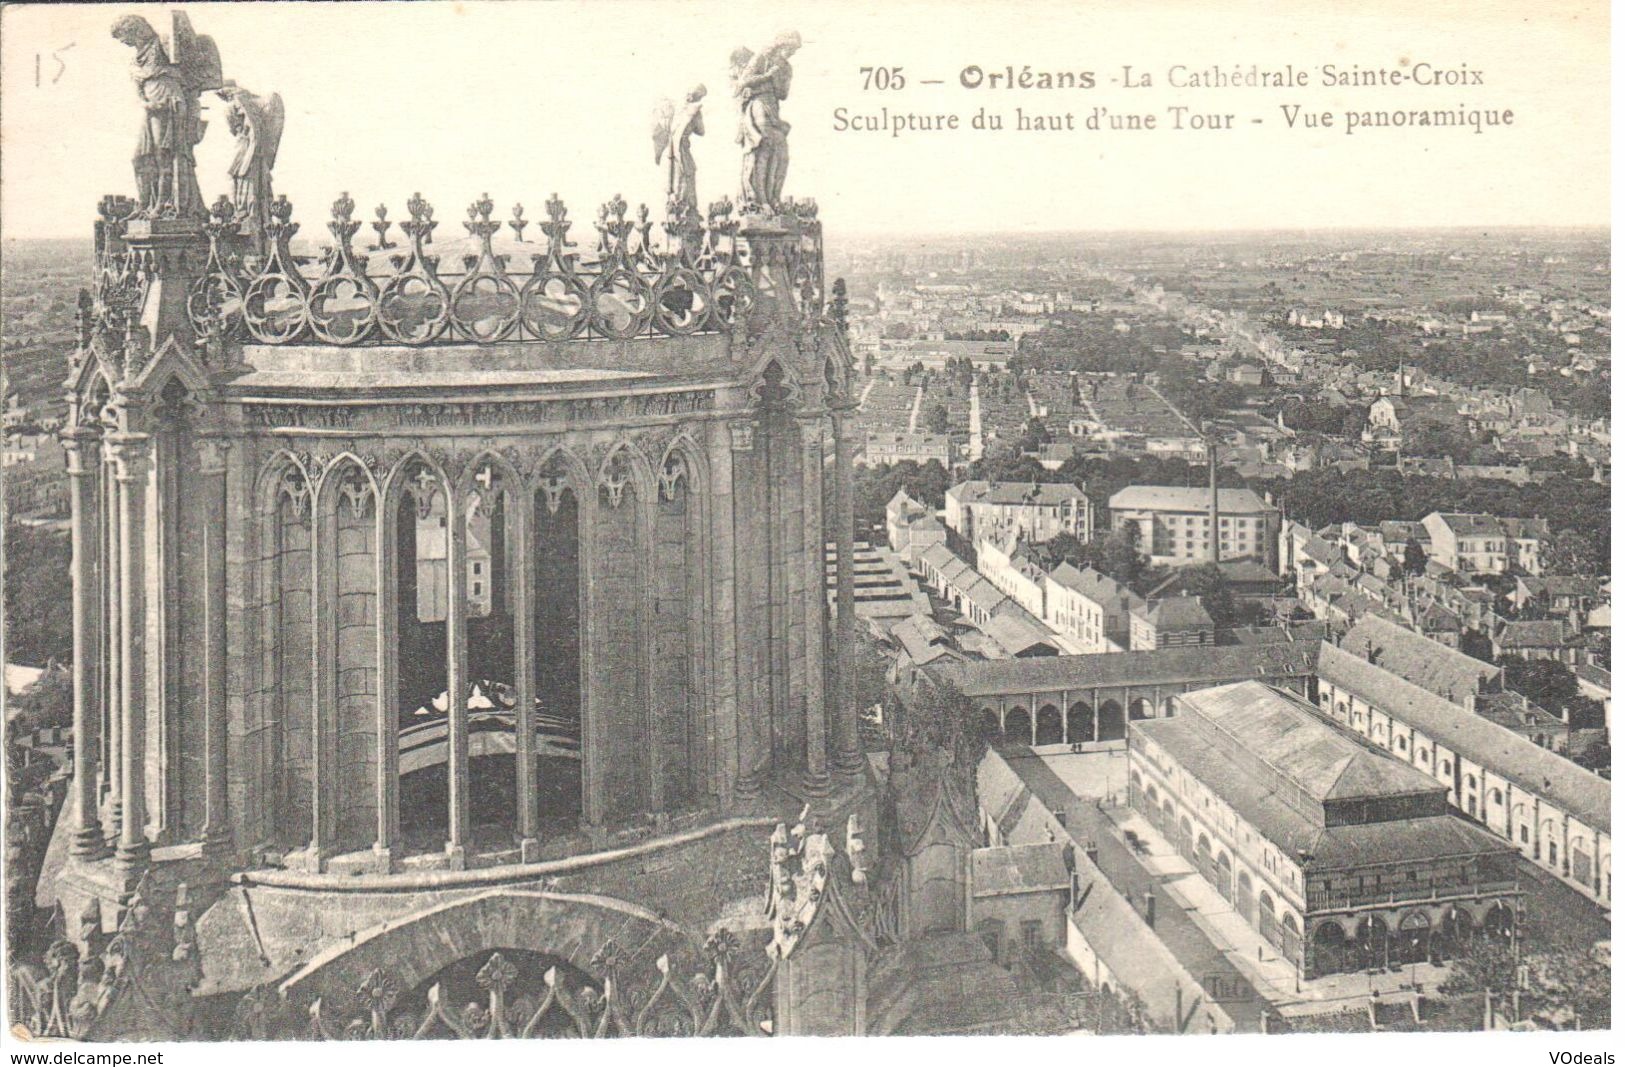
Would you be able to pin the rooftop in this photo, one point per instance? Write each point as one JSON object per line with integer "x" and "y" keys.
{"x": 1522, "y": 762}
{"x": 1179, "y": 613}
{"x": 1163, "y": 666}
{"x": 1186, "y": 498}
{"x": 1419, "y": 659}
{"x": 1294, "y": 739}
{"x": 1310, "y": 751}
{"x": 1045, "y": 493}
{"x": 1036, "y": 868}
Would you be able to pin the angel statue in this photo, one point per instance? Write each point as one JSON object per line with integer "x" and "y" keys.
{"x": 671, "y": 136}
{"x": 256, "y": 122}
{"x": 165, "y": 172}
{"x": 761, "y": 82}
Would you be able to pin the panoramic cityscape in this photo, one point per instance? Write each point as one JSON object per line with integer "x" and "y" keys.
{"x": 609, "y": 620}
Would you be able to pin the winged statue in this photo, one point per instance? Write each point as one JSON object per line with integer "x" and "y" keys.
{"x": 256, "y": 121}
{"x": 672, "y": 130}
{"x": 169, "y": 82}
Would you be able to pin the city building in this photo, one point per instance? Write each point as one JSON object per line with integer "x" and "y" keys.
{"x": 1553, "y": 811}
{"x": 1169, "y": 622}
{"x": 885, "y": 449}
{"x": 1037, "y": 511}
{"x": 1342, "y": 857}
{"x": 1004, "y": 560}
{"x": 1445, "y": 672}
{"x": 1090, "y": 607}
{"x": 911, "y": 527}
{"x": 1091, "y": 698}
{"x": 1176, "y": 525}
{"x": 1484, "y": 544}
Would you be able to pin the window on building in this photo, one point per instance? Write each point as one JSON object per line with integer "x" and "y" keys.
{"x": 1472, "y": 783}
{"x": 1032, "y": 936}
{"x": 1523, "y": 835}
{"x": 1444, "y": 765}
{"x": 1551, "y": 853}
{"x": 1400, "y": 741}
{"x": 1495, "y": 796}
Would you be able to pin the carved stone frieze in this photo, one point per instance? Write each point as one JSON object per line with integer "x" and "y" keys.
{"x": 434, "y": 415}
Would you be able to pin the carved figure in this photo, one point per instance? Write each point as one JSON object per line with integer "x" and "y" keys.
{"x": 256, "y": 121}
{"x": 761, "y": 83}
{"x": 672, "y": 131}
{"x": 165, "y": 172}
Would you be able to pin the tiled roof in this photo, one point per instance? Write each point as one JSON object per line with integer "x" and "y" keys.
{"x": 1526, "y": 764}
{"x": 1046, "y": 493}
{"x": 1187, "y": 498}
{"x": 1419, "y": 659}
{"x": 1315, "y": 847}
{"x": 1034, "y": 868}
{"x": 1163, "y": 666}
{"x": 1294, "y": 739}
{"x": 1527, "y": 529}
{"x": 1532, "y": 633}
{"x": 1179, "y": 613}
{"x": 1468, "y": 525}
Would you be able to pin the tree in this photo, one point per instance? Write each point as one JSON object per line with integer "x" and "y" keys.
{"x": 1207, "y": 582}
{"x": 936, "y": 418}
{"x": 1547, "y": 682}
{"x": 1416, "y": 557}
{"x": 38, "y": 596}
{"x": 1569, "y": 553}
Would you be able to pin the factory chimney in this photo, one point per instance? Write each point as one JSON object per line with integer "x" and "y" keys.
{"x": 1213, "y": 499}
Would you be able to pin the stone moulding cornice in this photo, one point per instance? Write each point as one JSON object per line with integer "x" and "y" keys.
{"x": 511, "y": 874}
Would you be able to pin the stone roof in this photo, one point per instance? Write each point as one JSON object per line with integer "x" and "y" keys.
{"x": 1398, "y": 532}
{"x": 1016, "y": 635}
{"x": 1036, "y": 868}
{"x": 1313, "y": 846}
{"x": 1162, "y": 666}
{"x": 1187, "y": 498}
{"x": 1045, "y": 493}
{"x": 1419, "y": 659}
{"x": 1560, "y": 585}
{"x": 1468, "y": 525}
{"x": 1438, "y": 618}
{"x": 1532, "y": 633}
{"x": 1179, "y": 613}
{"x": 1293, "y": 738}
{"x": 1088, "y": 581}
{"x": 1515, "y": 758}
{"x": 1526, "y": 529}
{"x": 922, "y": 639}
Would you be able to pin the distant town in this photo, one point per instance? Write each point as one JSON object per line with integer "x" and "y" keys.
{"x": 1253, "y": 511}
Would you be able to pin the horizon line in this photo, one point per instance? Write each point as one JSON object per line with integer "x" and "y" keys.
{"x": 1125, "y": 231}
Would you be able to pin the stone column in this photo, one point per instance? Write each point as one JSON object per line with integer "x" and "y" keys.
{"x": 112, "y": 629}
{"x": 815, "y": 778}
{"x": 751, "y": 540}
{"x": 847, "y": 757}
{"x": 83, "y": 449}
{"x": 217, "y": 834}
{"x": 130, "y": 454}
{"x": 323, "y": 681}
{"x": 521, "y": 562}
{"x": 386, "y": 562}
{"x": 724, "y": 713}
{"x": 457, "y": 784}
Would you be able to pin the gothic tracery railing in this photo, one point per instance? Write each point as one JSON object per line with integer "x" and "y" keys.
{"x": 630, "y": 286}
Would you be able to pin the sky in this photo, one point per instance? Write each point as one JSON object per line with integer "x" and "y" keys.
{"x": 521, "y": 100}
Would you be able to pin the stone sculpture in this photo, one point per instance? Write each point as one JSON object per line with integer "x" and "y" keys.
{"x": 256, "y": 121}
{"x": 761, "y": 82}
{"x": 672, "y": 131}
{"x": 165, "y": 172}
